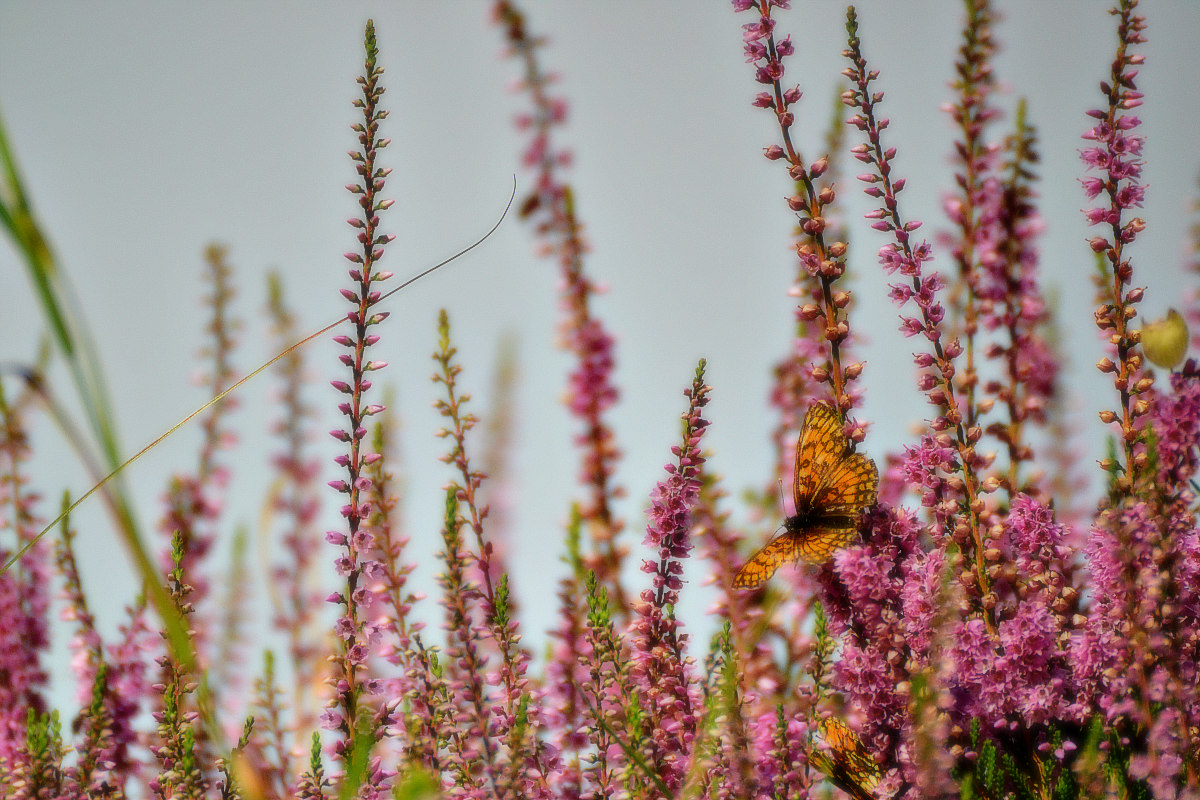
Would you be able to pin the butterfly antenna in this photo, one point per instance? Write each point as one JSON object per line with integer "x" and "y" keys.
{"x": 120, "y": 467}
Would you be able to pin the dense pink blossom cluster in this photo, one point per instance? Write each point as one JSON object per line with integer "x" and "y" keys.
{"x": 24, "y": 596}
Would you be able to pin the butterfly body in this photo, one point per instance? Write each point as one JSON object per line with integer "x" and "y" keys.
{"x": 832, "y": 486}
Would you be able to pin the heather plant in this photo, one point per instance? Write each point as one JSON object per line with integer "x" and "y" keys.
{"x": 970, "y": 632}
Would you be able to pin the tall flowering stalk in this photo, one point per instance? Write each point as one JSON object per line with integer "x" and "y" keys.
{"x": 505, "y": 724}
{"x": 996, "y": 301}
{"x": 1142, "y": 641}
{"x": 190, "y": 524}
{"x": 591, "y": 391}
{"x": 347, "y": 713}
{"x": 951, "y": 449}
{"x": 296, "y": 503}
{"x": 821, "y": 351}
{"x": 469, "y": 480}
{"x": 973, "y": 207}
{"x": 660, "y": 670}
{"x": 822, "y": 262}
{"x": 467, "y": 662}
{"x": 182, "y": 752}
{"x": 194, "y": 501}
{"x": 1116, "y": 156}
{"x": 1013, "y": 305}
{"x": 796, "y": 373}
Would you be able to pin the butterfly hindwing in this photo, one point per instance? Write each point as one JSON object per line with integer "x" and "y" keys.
{"x": 850, "y": 486}
{"x": 816, "y": 544}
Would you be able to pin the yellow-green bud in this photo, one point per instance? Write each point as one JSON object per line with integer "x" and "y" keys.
{"x": 1165, "y": 341}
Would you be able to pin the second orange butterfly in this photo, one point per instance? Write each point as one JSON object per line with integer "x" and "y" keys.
{"x": 832, "y": 486}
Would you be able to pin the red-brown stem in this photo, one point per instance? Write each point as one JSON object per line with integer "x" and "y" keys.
{"x": 836, "y": 330}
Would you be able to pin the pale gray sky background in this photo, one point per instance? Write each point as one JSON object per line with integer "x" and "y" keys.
{"x": 146, "y": 130}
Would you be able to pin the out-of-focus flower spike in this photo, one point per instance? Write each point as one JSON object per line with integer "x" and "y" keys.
{"x": 551, "y": 209}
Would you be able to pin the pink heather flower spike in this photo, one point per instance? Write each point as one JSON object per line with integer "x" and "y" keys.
{"x": 951, "y": 427}
{"x": 1011, "y": 302}
{"x": 660, "y": 669}
{"x": 194, "y": 501}
{"x": 350, "y": 712}
{"x": 504, "y": 737}
{"x": 461, "y": 421}
{"x": 973, "y": 208}
{"x": 822, "y": 261}
{"x": 182, "y": 753}
{"x": 1116, "y": 156}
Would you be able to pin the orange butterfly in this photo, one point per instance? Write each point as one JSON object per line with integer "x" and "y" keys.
{"x": 848, "y": 764}
{"x": 832, "y": 487}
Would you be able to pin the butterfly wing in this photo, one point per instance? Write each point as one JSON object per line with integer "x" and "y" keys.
{"x": 848, "y": 487}
{"x": 821, "y": 446}
{"x": 781, "y": 550}
{"x": 817, "y": 543}
{"x": 848, "y": 763}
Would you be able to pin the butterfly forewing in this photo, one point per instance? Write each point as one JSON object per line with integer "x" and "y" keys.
{"x": 762, "y": 565}
{"x": 822, "y": 445}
